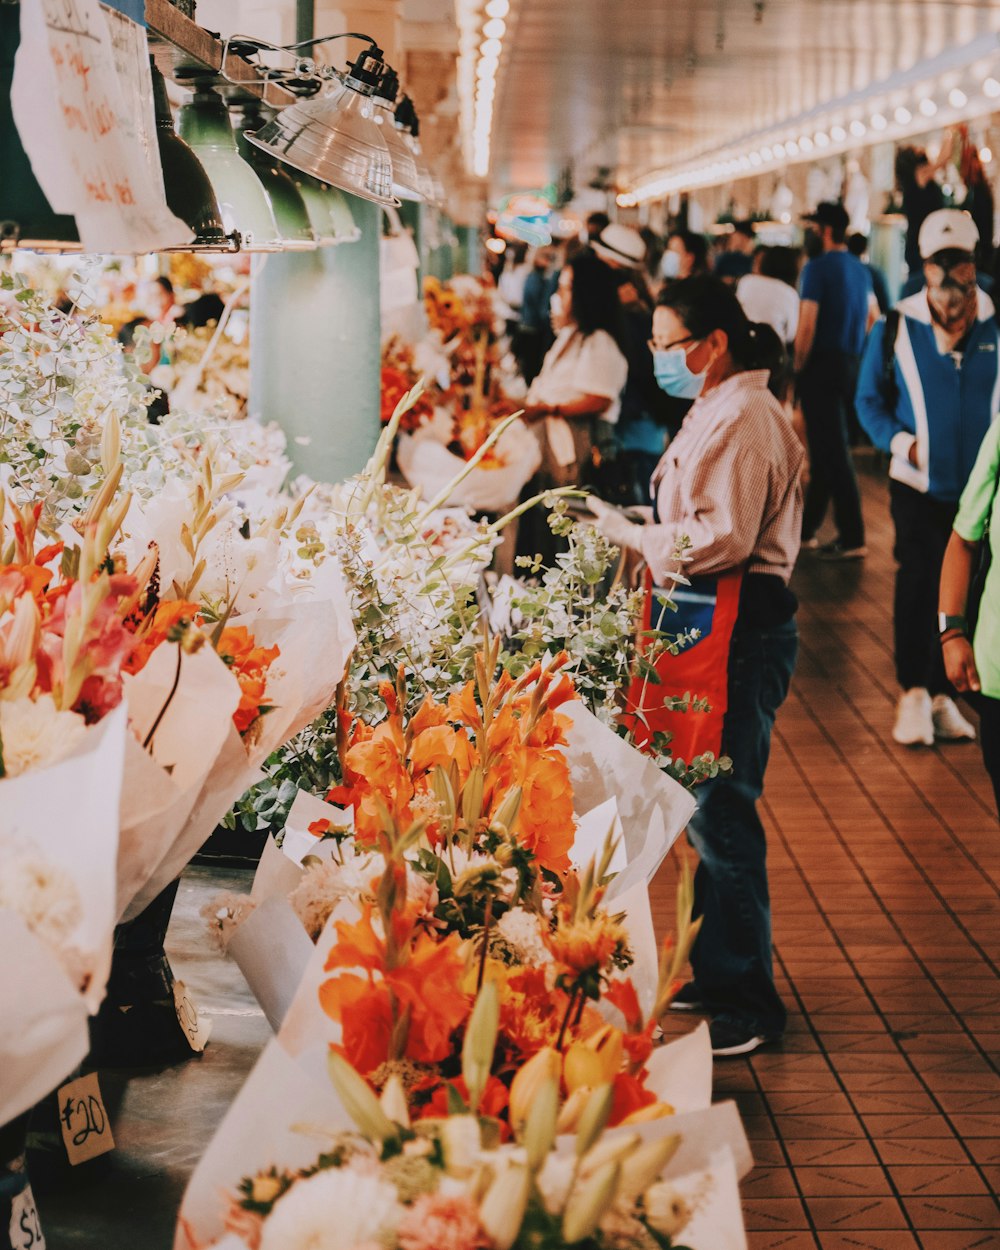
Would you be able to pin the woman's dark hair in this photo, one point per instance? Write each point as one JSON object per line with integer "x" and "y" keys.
{"x": 695, "y": 245}
{"x": 703, "y": 304}
{"x": 163, "y": 281}
{"x": 781, "y": 263}
{"x": 595, "y": 304}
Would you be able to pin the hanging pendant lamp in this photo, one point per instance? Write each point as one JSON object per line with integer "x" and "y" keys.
{"x": 287, "y": 204}
{"x": 203, "y": 123}
{"x": 334, "y": 137}
{"x": 188, "y": 189}
{"x": 408, "y": 125}
{"x": 329, "y": 212}
{"x": 405, "y": 179}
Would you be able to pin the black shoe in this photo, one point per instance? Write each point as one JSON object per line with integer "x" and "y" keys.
{"x": 731, "y": 1037}
{"x": 687, "y": 998}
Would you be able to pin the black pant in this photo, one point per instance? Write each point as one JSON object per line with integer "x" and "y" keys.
{"x": 989, "y": 737}
{"x": 923, "y": 527}
{"x": 826, "y": 390}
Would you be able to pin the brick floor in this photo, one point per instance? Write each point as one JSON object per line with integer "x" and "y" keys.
{"x": 876, "y": 1123}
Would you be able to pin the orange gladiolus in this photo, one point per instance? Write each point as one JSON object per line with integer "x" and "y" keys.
{"x": 156, "y": 627}
{"x": 249, "y": 664}
{"x": 365, "y": 1006}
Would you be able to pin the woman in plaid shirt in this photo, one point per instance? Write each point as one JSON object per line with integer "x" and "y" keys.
{"x": 729, "y": 483}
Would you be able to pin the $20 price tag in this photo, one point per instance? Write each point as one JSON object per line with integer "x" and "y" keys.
{"x": 25, "y": 1230}
{"x": 83, "y": 1119}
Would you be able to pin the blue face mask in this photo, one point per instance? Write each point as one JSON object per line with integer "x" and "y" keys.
{"x": 673, "y": 375}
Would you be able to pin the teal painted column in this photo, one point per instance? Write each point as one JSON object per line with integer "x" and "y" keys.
{"x": 469, "y": 253}
{"x": 315, "y": 354}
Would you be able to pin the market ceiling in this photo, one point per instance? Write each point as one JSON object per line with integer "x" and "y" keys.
{"x": 643, "y": 86}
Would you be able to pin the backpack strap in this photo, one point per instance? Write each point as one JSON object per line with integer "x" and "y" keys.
{"x": 888, "y": 385}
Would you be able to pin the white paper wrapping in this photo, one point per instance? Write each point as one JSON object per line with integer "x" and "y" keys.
{"x": 429, "y": 465}
{"x": 69, "y": 812}
{"x": 604, "y": 766}
{"x": 315, "y": 638}
{"x": 272, "y": 950}
{"x": 160, "y": 790}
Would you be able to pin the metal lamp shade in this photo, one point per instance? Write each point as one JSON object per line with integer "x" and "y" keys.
{"x": 329, "y": 212}
{"x": 294, "y": 226}
{"x": 188, "y": 189}
{"x": 333, "y": 138}
{"x": 26, "y": 217}
{"x": 405, "y": 179}
{"x": 204, "y": 125}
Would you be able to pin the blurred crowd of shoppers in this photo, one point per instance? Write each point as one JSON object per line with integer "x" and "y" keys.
{"x": 688, "y": 379}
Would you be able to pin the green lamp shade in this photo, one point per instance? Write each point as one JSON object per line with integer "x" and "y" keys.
{"x": 334, "y": 138}
{"x": 26, "y": 217}
{"x": 329, "y": 212}
{"x": 289, "y": 210}
{"x": 188, "y": 189}
{"x": 204, "y": 125}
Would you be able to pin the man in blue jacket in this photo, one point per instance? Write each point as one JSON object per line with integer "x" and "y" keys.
{"x": 928, "y": 389}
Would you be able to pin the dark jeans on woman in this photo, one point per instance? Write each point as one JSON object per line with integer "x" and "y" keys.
{"x": 923, "y": 527}
{"x": 826, "y": 392}
{"x": 989, "y": 737}
{"x": 731, "y": 959}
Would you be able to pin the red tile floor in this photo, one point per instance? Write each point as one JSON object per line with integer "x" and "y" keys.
{"x": 876, "y": 1123}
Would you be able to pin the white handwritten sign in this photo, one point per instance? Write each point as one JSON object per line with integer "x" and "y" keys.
{"x": 25, "y": 1231}
{"x": 85, "y": 148}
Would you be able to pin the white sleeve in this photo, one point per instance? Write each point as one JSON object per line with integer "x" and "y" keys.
{"x": 601, "y": 369}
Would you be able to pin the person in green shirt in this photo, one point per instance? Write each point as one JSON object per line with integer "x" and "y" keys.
{"x": 973, "y": 665}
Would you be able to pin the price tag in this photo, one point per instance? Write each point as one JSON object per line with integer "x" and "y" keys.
{"x": 86, "y": 1128}
{"x": 196, "y": 1028}
{"x": 25, "y": 1230}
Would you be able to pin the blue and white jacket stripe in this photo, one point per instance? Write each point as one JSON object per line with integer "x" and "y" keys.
{"x": 944, "y": 407}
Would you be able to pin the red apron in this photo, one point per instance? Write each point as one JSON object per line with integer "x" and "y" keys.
{"x": 701, "y": 668}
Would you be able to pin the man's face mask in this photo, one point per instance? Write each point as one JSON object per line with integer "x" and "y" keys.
{"x": 951, "y": 283}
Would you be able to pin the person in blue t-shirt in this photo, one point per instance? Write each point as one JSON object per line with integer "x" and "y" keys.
{"x": 837, "y": 309}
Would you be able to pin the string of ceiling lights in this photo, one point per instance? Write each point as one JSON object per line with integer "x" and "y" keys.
{"x": 930, "y": 94}
{"x": 481, "y": 41}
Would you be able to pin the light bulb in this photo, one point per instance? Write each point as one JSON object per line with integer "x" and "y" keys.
{"x": 792, "y": 148}
{"x": 822, "y": 139}
{"x": 957, "y": 98}
{"x": 767, "y": 154}
{"x": 491, "y": 49}
{"x": 838, "y": 134}
{"x": 903, "y": 115}
{"x": 779, "y": 151}
{"x": 805, "y": 143}
{"x": 498, "y": 8}
{"x": 858, "y": 128}
{"x": 878, "y": 121}
{"x": 991, "y": 88}
{"x": 755, "y": 158}
{"x": 495, "y": 28}
{"x": 928, "y": 107}
{"x": 985, "y": 155}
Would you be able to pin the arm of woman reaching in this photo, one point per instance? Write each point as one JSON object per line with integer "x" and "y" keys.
{"x": 583, "y": 406}
{"x": 956, "y": 574}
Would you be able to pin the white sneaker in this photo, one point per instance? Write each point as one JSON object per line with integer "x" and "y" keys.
{"x": 949, "y": 723}
{"x": 914, "y": 721}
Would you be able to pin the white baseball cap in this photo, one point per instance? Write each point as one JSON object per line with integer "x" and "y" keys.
{"x": 621, "y": 245}
{"x": 947, "y": 229}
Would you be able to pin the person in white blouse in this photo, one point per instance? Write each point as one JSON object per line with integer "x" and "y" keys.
{"x": 583, "y": 373}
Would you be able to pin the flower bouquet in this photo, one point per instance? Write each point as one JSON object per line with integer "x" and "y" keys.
{"x": 359, "y": 1170}
{"x": 62, "y": 741}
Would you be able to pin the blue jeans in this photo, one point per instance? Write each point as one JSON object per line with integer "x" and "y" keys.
{"x": 731, "y": 959}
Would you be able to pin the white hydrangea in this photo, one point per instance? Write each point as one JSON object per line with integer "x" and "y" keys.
{"x": 521, "y": 932}
{"x": 336, "y": 1209}
{"x": 34, "y": 733}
